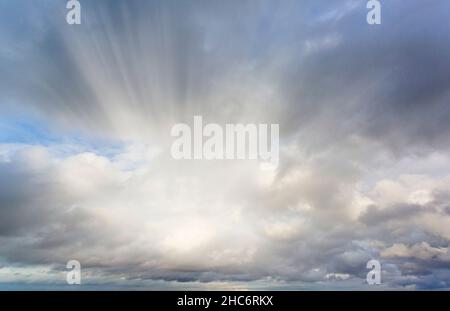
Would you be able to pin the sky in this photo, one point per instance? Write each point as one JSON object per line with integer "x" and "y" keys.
{"x": 86, "y": 171}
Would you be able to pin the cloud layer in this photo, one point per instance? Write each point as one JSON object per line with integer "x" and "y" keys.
{"x": 364, "y": 114}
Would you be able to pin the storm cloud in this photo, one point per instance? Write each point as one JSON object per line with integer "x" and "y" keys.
{"x": 364, "y": 115}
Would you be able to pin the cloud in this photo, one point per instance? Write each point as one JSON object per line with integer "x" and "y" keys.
{"x": 421, "y": 251}
{"x": 86, "y": 112}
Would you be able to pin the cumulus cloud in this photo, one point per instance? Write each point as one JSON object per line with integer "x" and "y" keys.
{"x": 85, "y": 165}
{"x": 421, "y": 251}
